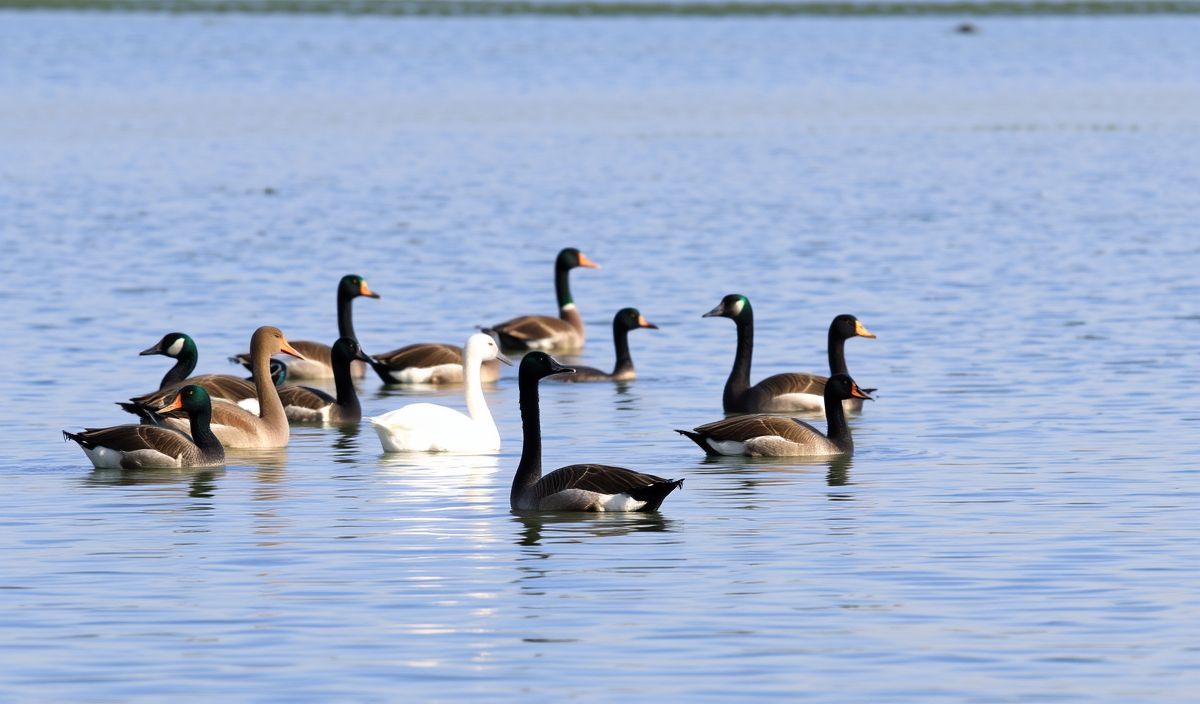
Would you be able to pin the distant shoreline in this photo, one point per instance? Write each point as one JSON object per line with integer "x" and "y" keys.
{"x": 620, "y": 8}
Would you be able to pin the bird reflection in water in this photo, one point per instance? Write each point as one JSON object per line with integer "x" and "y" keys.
{"x": 201, "y": 481}
{"x": 574, "y": 527}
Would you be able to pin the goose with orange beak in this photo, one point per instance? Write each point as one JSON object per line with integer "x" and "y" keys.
{"x": 625, "y": 321}
{"x": 564, "y": 334}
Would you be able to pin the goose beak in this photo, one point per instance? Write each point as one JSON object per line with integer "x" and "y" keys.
{"x": 588, "y": 263}
{"x": 643, "y": 323}
{"x": 859, "y": 393}
{"x": 151, "y": 350}
{"x": 175, "y": 404}
{"x": 715, "y": 312}
{"x": 363, "y": 357}
{"x": 364, "y": 290}
{"x": 288, "y": 349}
{"x": 556, "y": 368}
{"x": 862, "y": 331}
{"x": 503, "y": 360}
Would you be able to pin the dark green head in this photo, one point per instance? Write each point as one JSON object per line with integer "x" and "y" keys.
{"x": 847, "y": 326}
{"x": 570, "y": 258}
{"x": 539, "y": 365}
{"x": 631, "y": 319}
{"x": 734, "y": 306}
{"x": 191, "y": 399}
{"x": 174, "y": 345}
{"x": 345, "y": 350}
{"x": 353, "y": 285}
{"x": 842, "y": 387}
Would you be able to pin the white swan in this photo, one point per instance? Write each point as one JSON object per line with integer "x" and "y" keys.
{"x": 428, "y": 427}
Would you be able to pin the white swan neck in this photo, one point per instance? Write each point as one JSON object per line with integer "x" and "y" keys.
{"x": 473, "y": 392}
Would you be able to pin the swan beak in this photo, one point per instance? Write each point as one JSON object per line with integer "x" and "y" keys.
{"x": 503, "y": 360}
{"x": 288, "y": 349}
{"x": 151, "y": 350}
{"x": 643, "y": 323}
{"x": 715, "y": 312}
{"x": 175, "y": 404}
{"x": 588, "y": 263}
{"x": 862, "y": 331}
{"x": 859, "y": 393}
{"x": 364, "y": 290}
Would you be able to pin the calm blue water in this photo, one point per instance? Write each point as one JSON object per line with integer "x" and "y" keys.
{"x": 1013, "y": 213}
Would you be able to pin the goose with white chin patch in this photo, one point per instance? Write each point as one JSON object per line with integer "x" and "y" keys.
{"x": 428, "y": 427}
{"x": 788, "y": 392}
{"x": 576, "y": 487}
{"x": 776, "y": 436}
{"x": 224, "y": 388}
{"x": 563, "y": 334}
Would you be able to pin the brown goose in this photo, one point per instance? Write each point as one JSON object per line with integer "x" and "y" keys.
{"x": 427, "y": 363}
{"x": 317, "y": 362}
{"x": 624, "y": 321}
{"x": 776, "y": 436}
{"x": 239, "y": 428}
{"x": 139, "y": 446}
{"x": 576, "y": 487}
{"x": 781, "y": 393}
{"x": 303, "y": 403}
{"x": 541, "y": 332}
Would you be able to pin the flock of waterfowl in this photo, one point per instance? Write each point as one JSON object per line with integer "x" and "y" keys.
{"x": 189, "y": 421}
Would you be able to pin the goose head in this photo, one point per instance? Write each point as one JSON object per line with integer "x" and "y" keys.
{"x": 733, "y": 306}
{"x": 171, "y": 345}
{"x": 539, "y": 365}
{"x": 847, "y": 326}
{"x": 346, "y": 350}
{"x": 843, "y": 387}
{"x": 484, "y": 347}
{"x": 631, "y": 319}
{"x": 353, "y": 285}
{"x": 271, "y": 340}
{"x": 190, "y": 399}
{"x": 570, "y": 258}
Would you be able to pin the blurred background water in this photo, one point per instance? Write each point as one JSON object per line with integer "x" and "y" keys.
{"x": 1012, "y": 212}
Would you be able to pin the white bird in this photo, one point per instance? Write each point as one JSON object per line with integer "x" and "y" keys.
{"x": 428, "y": 427}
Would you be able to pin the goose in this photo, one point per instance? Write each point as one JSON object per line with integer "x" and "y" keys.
{"x": 776, "y": 436}
{"x": 576, "y": 487}
{"x": 781, "y": 393}
{"x": 427, "y": 363}
{"x": 428, "y": 427}
{"x": 303, "y": 403}
{"x": 317, "y": 362}
{"x": 625, "y": 320}
{"x": 541, "y": 332}
{"x": 235, "y": 426}
{"x": 180, "y": 347}
{"x": 138, "y": 446}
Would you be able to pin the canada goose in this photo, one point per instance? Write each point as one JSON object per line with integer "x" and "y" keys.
{"x": 541, "y": 332}
{"x": 786, "y": 392}
{"x": 576, "y": 487}
{"x": 303, "y": 403}
{"x": 138, "y": 446}
{"x": 625, "y": 320}
{"x": 776, "y": 436}
{"x": 427, "y": 363}
{"x": 239, "y": 428}
{"x": 182, "y": 349}
{"x": 428, "y": 427}
{"x": 317, "y": 362}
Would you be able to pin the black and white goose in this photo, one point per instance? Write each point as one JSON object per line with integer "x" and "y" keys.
{"x": 576, "y": 487}
{"x": 428, "y": 363}
{"x": 141, "y": 446}
{"x": 776, "y": 436}
{"x": 180, "y": 347}
{"x": 304, "y": 403}
{"x": 220, "y": 387}
{"x": 563, "y": 334}
{"x": 788, "y": 392}
{"x": 317, "y": 362}
{"x": 624, "y": 321}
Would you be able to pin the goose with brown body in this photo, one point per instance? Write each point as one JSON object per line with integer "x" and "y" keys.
{"x": 776, "y": 436}
{"x": 781, "y": 393}
{"x": 576, "y": 487}
{"x": 428, "y": 363}
{"x": 143, "y": 446}
{"x": 626, "y": 320}
{"x": 317, "y": 362}
{"x": 564, "y": 334}
{"x": 304, "y": 403}
{"x": 220, "y": 387}
{"x": 239, "y": 428}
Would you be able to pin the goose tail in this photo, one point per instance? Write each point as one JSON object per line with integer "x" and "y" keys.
{"x": 699, "y": 440}
{"x": 654, "y": 494}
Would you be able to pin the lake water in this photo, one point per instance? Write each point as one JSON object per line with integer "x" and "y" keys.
{"x": 1012, "y": 212}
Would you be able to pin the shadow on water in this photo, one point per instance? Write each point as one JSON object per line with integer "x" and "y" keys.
{"x": 576, "y": 527}
{"x": 202, "y": 480}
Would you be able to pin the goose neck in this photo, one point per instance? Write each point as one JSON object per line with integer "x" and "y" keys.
{"x": 837, "y": 353}
{"x": 200, "y": 423}
{"x": 839, "y": 429}
{"x": 739, "y": 376}
{"x": 345, "y": 314}
{"x": 529, "y": 469}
